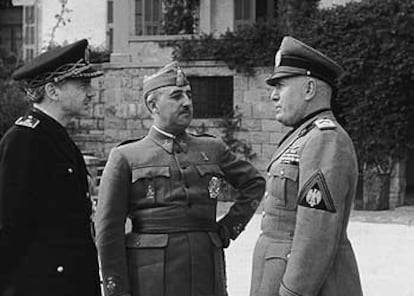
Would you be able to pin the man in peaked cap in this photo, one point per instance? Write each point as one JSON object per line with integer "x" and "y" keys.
{"x": 168, "y": 184}
{"x": 303, "y": 248}
{"x": 46, "y": 246}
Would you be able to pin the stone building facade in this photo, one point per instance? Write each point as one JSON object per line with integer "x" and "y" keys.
{"x": 119, "y": 113}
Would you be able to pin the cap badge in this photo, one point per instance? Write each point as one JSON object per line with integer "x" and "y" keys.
{"x": 278, "y": 58}
{"x": 180, "y": 81}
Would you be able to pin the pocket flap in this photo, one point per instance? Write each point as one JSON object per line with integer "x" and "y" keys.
{"x": 278, "y": 250}
{"x": 146, "y": 240}
{"x": 150, "y": 172}
{"x": 215, "y": 239}
{"x": 286, "y": 171}
{"x": 211, "y": 168}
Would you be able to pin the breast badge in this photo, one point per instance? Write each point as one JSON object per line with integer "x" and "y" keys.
{"x": 150, "y": 192}
{"x": 214, "y": 187}
{"x": 290, "y": 156}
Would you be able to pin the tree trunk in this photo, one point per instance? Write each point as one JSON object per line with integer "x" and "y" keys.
{"x": 376, "y": 190}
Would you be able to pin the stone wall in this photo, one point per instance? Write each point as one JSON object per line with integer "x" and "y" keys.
{"x": 118, "y": 112}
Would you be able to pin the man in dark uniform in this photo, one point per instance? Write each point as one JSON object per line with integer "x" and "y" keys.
{"x": 303, "y": 248}
{"x": 167, "y": 183}
{"x": 46, "y": 246}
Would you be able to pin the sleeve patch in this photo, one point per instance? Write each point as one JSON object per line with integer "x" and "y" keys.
{"x": 315, "y": 194}
{"x": 325, "y": 123}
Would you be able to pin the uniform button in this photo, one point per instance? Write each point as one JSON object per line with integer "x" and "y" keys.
{"x": 88, "y": 194}
{"x": 138, "y": 244}
{"x": 59, "y": 269}
{"x": 282, "y": 172}
{"x": 263, "y": 214}
{"x": 288, "y": 255}
{"x": 268, "y": 174}
{"x": 70, "y": 170}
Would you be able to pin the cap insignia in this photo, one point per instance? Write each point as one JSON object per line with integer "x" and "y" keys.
{"x": 180, "y": 81}
{"x": 278, "y": 58}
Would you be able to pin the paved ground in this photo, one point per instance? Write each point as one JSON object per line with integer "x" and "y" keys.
{"x": 383, "y": 242}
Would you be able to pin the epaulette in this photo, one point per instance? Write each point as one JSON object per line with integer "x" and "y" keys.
{"x": 324, "y": 124}
{"x": 27, "y": 121}
{"x": 130, "y": 141}
{"x": 203, "y": 135}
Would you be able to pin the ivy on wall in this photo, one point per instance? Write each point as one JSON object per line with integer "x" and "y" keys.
{"x": 372, "y": 39}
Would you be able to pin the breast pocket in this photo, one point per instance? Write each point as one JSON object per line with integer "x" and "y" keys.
{"x": 282, "y": 186}
{"x": 146, "y": 262}
{"x": 212, "y": 180}
{"x": 151, "y": 183}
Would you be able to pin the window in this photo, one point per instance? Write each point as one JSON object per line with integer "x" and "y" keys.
{"x": 247, "y": 12}
{"x": 243, "y": 13}
{"x": 110, "y": 26}
{"x": 148, "y": 17}
{"x": 29, "y": 54}
{"x": 29, "y": 32}
{"x": 110, "y": 11}
{"x": 212, "y": 96}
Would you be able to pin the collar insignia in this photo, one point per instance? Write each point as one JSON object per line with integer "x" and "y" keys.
{"x": 27, "y": 121}
{"x": 325, "y": 123}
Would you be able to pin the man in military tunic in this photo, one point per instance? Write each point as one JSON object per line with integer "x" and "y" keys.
{"x": 46, "y": 246}
{"x": 303, "y": 248}
{"x": 167, "y": 183}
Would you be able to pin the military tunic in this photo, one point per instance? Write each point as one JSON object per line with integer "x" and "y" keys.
{"x": 46, "y": 247}
{"x": 303, "y": 248}
{"x": 168, "y": 188}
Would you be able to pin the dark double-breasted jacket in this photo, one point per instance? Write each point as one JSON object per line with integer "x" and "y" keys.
{"x": 168, "y": 187}
{"x": 303, "y": 248}
{"x": 46, "y": 246}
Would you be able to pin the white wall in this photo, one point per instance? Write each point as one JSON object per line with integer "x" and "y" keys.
{"x": 88, "y": 20}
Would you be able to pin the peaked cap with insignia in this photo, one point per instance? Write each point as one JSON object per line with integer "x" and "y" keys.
{"x": 67, "y": 62}
{"x": 170, "y": 75}
{"x": 296, "y": 58}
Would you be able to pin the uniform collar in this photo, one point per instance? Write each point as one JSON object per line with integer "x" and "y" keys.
{"x": 166, "y": 140}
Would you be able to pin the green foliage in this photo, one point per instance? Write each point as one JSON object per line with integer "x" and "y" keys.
{"x": 180, "y": 16}
{"x": 12, "y": 104}
{"x": 372, "y": 40}
{"x": 12, "y": 100}
{"x": 290, "y": 13}
{"x": 231, "y": 124}
{"x": 250, "y": 47}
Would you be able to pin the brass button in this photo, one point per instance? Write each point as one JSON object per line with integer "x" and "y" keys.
{"x": 70, "y": 170}
{"x": 288, "y": 255}
{"x": 59, "y": 269}
{"x": 282, "y": 172}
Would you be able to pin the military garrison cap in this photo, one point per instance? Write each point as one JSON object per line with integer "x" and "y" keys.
{"x": 296, "y": 58}
{"x": 67, "y": 62}
{"x": 170, "y": 75}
